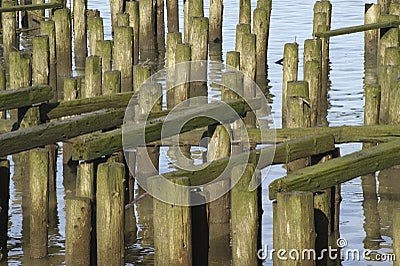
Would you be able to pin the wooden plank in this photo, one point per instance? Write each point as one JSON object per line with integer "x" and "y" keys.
{"x": 26, "y": 139}
{"x": 359, "y": 28}
{"x": 31, "y": 7}
{"x": 342, "y": 134}
{"x": 284, "y": 153}
{"x": 338, "y": 170}
{"x": 12, "y": 99}
{"x": 97, "y": 145}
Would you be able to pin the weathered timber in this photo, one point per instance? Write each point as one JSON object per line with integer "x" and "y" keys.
{"x": 26, "y": 139}
{"x": 31, "y": 7}
{"x": 338, "y": 170}
{"x": 359, "y": 28}
{"x": 96, "y": 146}
{"x": 80, "y": 106}
{"x": 10, "y": 99}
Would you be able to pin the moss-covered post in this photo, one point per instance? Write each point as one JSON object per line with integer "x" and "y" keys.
{"x": 141, "y": 74}
{"x": 104, "y": 51}
{"x": 77, "y": 230}
{"x": 290, "y": 72}
{"x": 261, "y": 30}
{"x": 172, "y": 236}
{"x": 233, "y": 59}
{"x": 372, "y": 12}
{"x": 132, "y": 8}
{"x": 39, "y": 205}
{"x": 111, "y": 82}
{"x": 372, "y": 95}
{"x": 9, "y": 23}
{"x": 48, "y": 28}
{"x": 62, "y": 19}
{"x": 173, "y": 39}
{"x": 182, "y": 77}
{"x": 388, "y": 37}
{"x": 110, "y": 214}
{"x": 80, "y": 35}
{"x": 123, "y": 41}
{"x": 147, "y": 26}
{"x": 172, "y": 16}
{"x": 116, "y": 7}
{"x": 294, "y": 213}
{"x": 195, "y": 8}
{"x": 95, "y": 32}
{"x": 215, "y": 17}
{"x": 92, "y": 77}
{"x": 241, "y": 29}
{"x": 123, "y": 20}
{"x": 245, "y": 11}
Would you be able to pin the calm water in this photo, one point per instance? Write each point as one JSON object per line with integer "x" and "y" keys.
{"x": 291, "y": 20}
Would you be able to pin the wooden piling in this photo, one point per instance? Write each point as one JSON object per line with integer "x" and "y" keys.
{"x": 241, "y": 29}
{"x": 233, "y": 59}
{"x": 92, "y": 77}
{"x": 39, "y": 206}
{"x": 312, "y": 70}
{"x": 3, "y": 85}
{"x": 244, "y": 218}
{"x": 295, "y": 213}
{"x": 62, "y": 19}
{"x": 388, "y": 73}
{"x": 77, "y": 230}
{"x": 199, "y": 44}
{"x": 261, "y": 30}
{"x": 111, "y": 82}
{"x": 141, "y": 74}
{"x": 110, "y": 214}
{"x": 132, "y": 8}
{"x": 172, "y": 16}
{"x": 40, "y": 60}
{"x": 48, "y": 28}
{"x": 104, "y": 51}
{"x": 80, "y": 36}
{"x": 195, "y": 8}
{"x": 394, "y": 104}
{"x": 172, "y": 236}
{"x": 116, "y": 7}
{"x": 396, "y": 236}
{"x": 9, "y": 23}
{"x": 290, "y": 72}
{"x": 384, "y": 6}
{"x": 372, "y": 95}
{"x": 245, "y": 12}
{"x": 123, "y": 20}
{"x": 123, "y": 41}
{"x": 147, "y": 29}
{"x": 4, "y": 201}
{"x": 95, "y": 32}
{"x": 160, "y": 27}
{"x": 388, "y": 37}
{"x": 372, "y": 12}
{"x": 173, "y": 39}
{"x": 70, "y": 93}
{"x": 85, "y": 180}
{"x": 182, "y": 76}
{"x": 215, "y": 17}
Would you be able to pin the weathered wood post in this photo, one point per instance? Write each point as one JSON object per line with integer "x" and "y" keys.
{"x": 172, "y": 236}
{"x": 388, "y": 37}
{"x": 48, "y": 28}
{"x": 77, "y": 230}
{"x": 172, "y": 16}
{"x": 80, "y": 35}
{"x": 110, "y": 214}
{"x": 123, "y": 20}
{"x": 111, "y": 82}
{"x": 215, "y": 17}
{"x": 241, "y": 29}
{"x": 3, "y": 85}
{"x": 195, "y": 8}
{"x": 4, "y": 199}
{"x": 141, "y": 74}
{"x": 396, "y": 236}
{"x": 372, "y": 104}
{"x": 9, "y": 23}
{"x": 92, "y": 77}
{"x": 295, "y": 213}
{"x": 123, "y": 40}
{"x": 116, "y": 7}
{"x": 39, "y": 205}
{"x": 95, "y": 32}
{"x": 62, "y": 19}
{"x": 371, "y": 37}
{"x": 173, "y": 39}
{"x": 182, "y": 78}
{"x": 104, "y": 51}
{"x": 233, "y": 59}
{"x": 160, "y": 27}
{"x": 244, "y": 11}
{"x": 199, "y": 44}
{"x": 312, "y": 74}
{"x": 132, "y": 8}
{"x": 244, "y": 217}
{"x": 388, "y": 73}
{"x": 147, "y": 26}
{"x": 261, "y": 30}
{"x": 290, "y": 72}
{"x": 384, "y": 6}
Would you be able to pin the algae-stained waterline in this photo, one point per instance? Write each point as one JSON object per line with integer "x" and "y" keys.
{"x": 95, "y": 84}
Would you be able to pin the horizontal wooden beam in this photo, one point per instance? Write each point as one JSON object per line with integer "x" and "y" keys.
{"x": 342, "y": 134}
{"x": 338, "y": 170}
{"x": 12, "y": 99}
{"x": 359, "y": 28}
{"x": 26, "y": 139}
{"x": 86, "y": 105}
{"x": 282, "y": 153}
{"x": 97, "y": 145}
{"x": 31, "y": 7}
